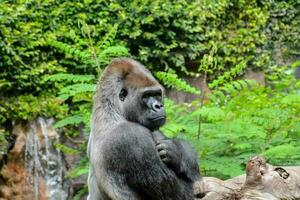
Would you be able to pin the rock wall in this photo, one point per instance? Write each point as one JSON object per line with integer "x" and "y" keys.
{"x": 33, "y": 168}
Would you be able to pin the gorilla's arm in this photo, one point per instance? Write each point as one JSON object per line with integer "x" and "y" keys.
{"x": 178, "y": 155}
{"x": 133, "y": 164}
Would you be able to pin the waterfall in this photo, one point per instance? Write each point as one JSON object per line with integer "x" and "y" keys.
{"x": 44, "y": 162}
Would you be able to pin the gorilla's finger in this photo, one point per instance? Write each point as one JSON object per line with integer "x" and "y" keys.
{"x": 166, "y": 159}
{"x": 161, "y": 146}
{"x": 163, "y": 153}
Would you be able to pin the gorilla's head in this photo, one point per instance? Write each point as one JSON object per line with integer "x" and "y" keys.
{"x": 137, "y": 95}
{"x": 144, "y": 106}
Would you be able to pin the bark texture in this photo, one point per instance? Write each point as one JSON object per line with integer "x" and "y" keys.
{"x": 262, "y": 181}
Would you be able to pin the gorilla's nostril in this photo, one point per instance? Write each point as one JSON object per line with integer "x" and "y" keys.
{"x": 157, "y": 107}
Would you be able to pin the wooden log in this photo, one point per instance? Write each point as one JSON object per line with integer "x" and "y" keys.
{"x": 262, "y": 181}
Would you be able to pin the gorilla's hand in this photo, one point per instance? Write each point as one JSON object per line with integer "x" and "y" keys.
{"x": 169, "y": 153}
{"x": 178, "y": 156}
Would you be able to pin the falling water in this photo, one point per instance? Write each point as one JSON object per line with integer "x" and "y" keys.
{"x": 44, "y": 162}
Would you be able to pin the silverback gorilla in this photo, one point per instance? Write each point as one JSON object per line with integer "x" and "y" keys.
{"x": 130, "y": 159}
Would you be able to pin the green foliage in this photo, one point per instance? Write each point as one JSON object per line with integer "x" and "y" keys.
{"x": 83, "y": 55}
{"x": 229, "y": 75}
{"x": 81, "y": 169}
{"x": 28, "y": 107}
{"x": 285, "y": 153}
{"x": 220, "y": 94}
{"x": 92, "y": 59}
{"x": 69, "y": 78}
{"x": 282, "y": 78}
{"x": 65, "y": 149}
{"x": 283, "y": 28}
{"x": 163, "y": 35}
{"x": 250, "y": 121}
{"x": 32, "y": 35}
{"x": 72, "y": 90}
{"x": 240, "y": 119}
{"x": 71, "y": 120}
{"x": 172, "y": 81}
{"x": 210, "y": 114}
{"x": 23, "y": 63}
{"x": 222, "y": 166}
{"x": 244, "y": 34}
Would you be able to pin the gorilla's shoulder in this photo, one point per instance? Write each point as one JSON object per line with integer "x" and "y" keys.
{"x": 130, "y": 133}
{"x": 131, "y": 129}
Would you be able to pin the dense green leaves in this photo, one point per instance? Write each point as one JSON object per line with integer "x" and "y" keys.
{"x": 249, "y": 122}
{"x": 163, "y": 35}
{"x": 172, "y": 81}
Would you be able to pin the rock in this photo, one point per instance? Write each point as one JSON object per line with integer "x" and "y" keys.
{"x": 33, "y": 169}
{"x": 258, "y": 76}
{"x": 262, "y": 181}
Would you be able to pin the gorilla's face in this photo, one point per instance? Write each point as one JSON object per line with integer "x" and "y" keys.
{"x": 144, "y": 106}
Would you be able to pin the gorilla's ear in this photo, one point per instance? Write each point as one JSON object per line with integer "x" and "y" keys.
{"x": 123, "y": 94}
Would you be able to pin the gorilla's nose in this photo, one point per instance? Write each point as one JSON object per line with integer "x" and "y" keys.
{"x": 157, "y": 106}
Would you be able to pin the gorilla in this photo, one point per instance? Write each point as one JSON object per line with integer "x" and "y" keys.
{"x": 129, "y": 158}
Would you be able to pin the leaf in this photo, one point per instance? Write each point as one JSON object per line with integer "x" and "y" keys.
{"x": 69, "y": 77}
{"x": 283, "y": 152}
{"x": 71, "y": 120}
{"x": 66, "y": 149}
{"x": 72, "y": 90}
{"x": 172, "y": 80}
{"x": 78, "y": 171}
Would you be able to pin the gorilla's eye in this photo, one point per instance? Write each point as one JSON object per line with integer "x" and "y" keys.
{"x": 123, "y": 94}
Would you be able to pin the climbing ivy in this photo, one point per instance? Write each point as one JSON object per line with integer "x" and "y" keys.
{"x": 172, "y": 35}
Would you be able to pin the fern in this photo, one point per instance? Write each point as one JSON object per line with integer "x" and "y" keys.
{"x": 102, "y": 58}
{"x": 252, "y": 121}
{"x": 75, "y": 78}
{"x": 78, "y": 171}
{"x": 292, "y": 99}
{"x": 224, "y": 167}
{"x": 108, "y": 38}
{"x": 229, "y": 75}
{"x": 210, "y": 114}
{"x": 220, "y": 95}
{"x": 4, "y": 83}
{"x": 68, "y": 49}
{"x": 172, "y": 80}
{"x": 295, "y": 64}
{"x": 283, "y": 153}
{"x": 105, "y": 56}
{"x": 71, "y": 120}
{"x": 66, "y": 149}
{"x": 75, "y": 89}
{"x": 209, "y": 63}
